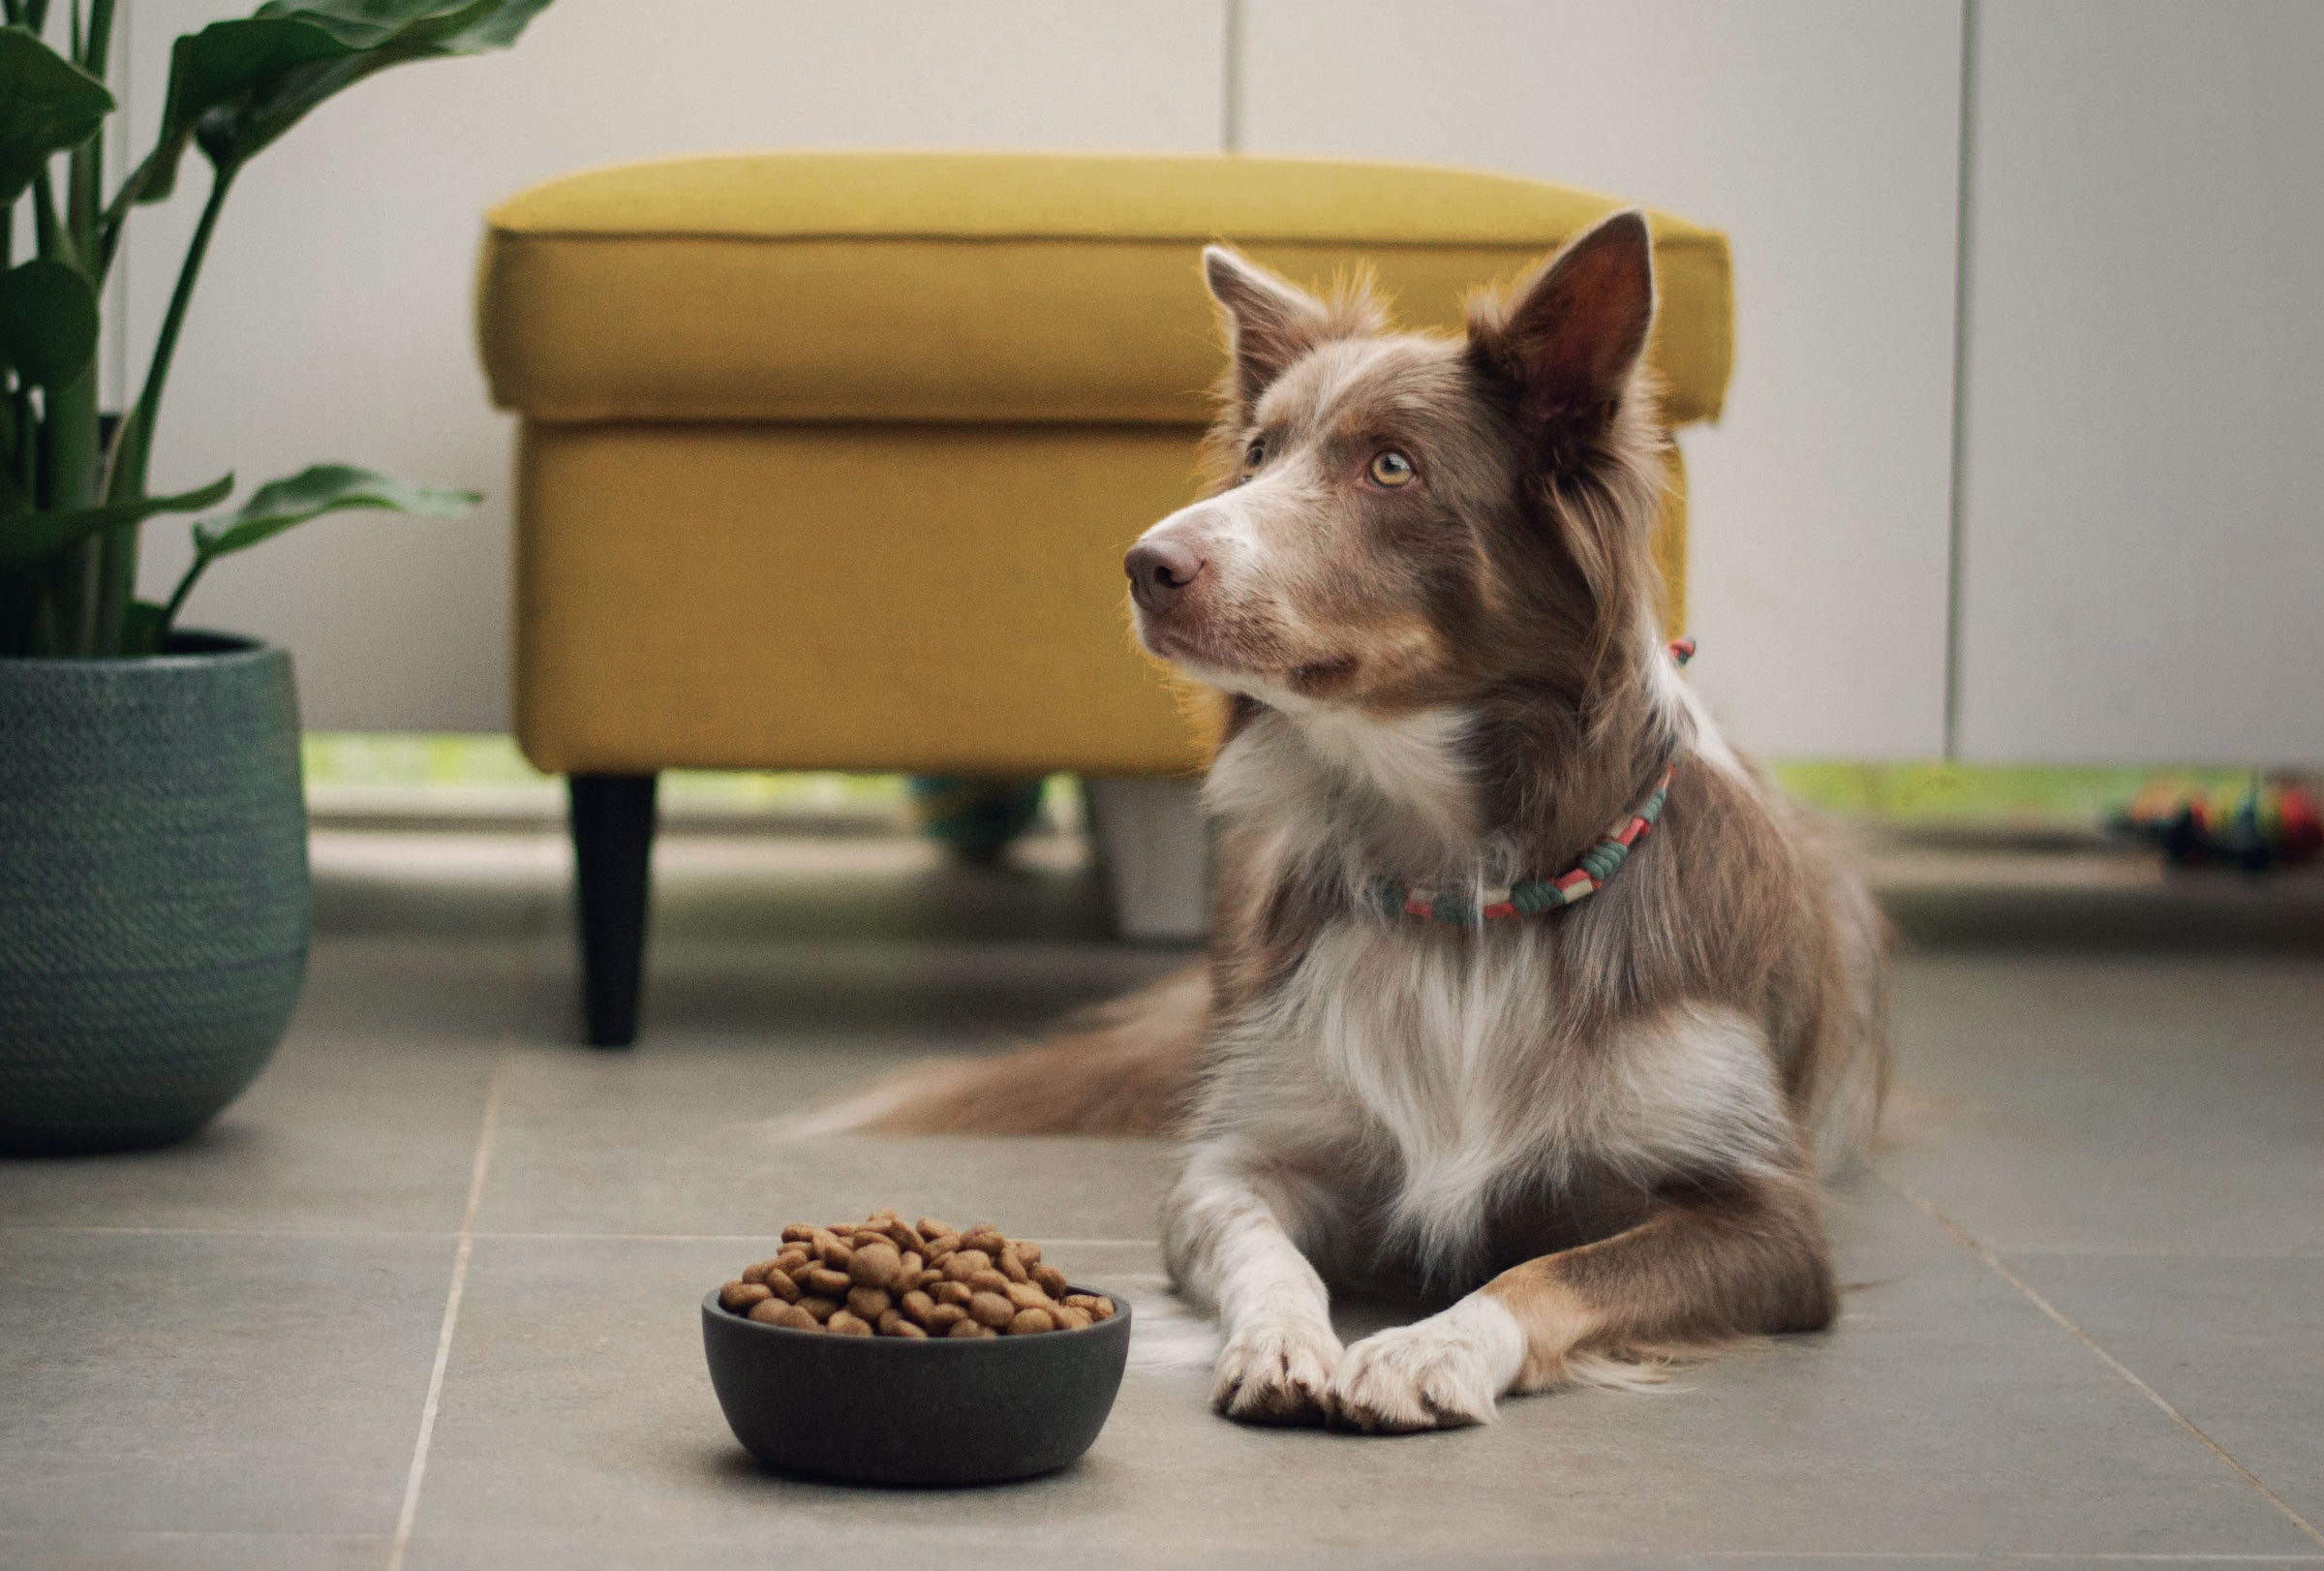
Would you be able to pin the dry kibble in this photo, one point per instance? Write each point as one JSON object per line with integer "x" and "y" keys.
{"x": 884, "y": 1277}
{"x": 876, "y": 1264}
{"x": 825, "y": 1282}
{"x": 773, "y": 1312}
{"x": 737, "y": 1297}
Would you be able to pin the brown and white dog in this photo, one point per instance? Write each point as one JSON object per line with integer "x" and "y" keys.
{"x": 1424, "y": 584}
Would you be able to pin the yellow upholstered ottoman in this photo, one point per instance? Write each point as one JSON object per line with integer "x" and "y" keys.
{"x": 829, "y": 460}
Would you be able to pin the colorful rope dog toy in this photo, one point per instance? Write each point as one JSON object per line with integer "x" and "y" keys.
{"x": 2274, "y": 823}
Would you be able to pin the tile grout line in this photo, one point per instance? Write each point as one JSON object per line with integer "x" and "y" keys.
{"x": 610, "y": 1238}
{"x": 2001, "y": 1268}
{"x": 1912, "y": 1557}
{"x": 2078, "y": 1251}
{"x": 409, "y": 1512}
{"x": 768, "y": 1238}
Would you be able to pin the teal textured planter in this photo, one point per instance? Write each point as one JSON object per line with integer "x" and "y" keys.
{"x": 154, "y": 906}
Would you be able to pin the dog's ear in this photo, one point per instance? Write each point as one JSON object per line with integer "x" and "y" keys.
{"x": 1270, "y": 321}
{"x": 1568, "y": 340}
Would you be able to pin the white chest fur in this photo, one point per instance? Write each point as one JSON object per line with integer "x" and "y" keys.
{"x": 1436, "y": 1050}
{"x": 1354, "y": 797}
{"x": 1428, "y": 1034}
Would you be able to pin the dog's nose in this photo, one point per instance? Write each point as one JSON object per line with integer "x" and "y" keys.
{"x": 1160, "y": 570}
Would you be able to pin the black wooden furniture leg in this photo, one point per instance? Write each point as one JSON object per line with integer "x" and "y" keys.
{"x": 612, "y": 819}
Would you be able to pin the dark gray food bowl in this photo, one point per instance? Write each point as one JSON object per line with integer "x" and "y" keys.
{"x": 890, "y": 1410}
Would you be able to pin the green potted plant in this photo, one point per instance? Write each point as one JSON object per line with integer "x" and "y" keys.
{"x": 153, "y": 874}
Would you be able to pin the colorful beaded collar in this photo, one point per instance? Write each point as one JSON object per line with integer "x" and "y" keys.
{"x": 1534, "y": 896}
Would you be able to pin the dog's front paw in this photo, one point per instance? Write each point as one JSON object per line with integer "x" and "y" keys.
{"x": 1275, "y": 1370}
{"x": 1441, "y": 1373}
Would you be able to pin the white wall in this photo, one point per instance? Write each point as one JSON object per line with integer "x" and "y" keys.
{"x": 334, "y": 315}
{"x": 2138, "y": 555}
{"x": 1821, "y": 134}
{"x": 2143, "y": 505}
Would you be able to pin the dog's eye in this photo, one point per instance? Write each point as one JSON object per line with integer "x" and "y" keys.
{"x": 1391, "y": 468}
{"x": 1253, "y": 457}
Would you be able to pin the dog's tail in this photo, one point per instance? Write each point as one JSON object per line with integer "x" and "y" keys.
{"x": 1849, "y": 1078}
{"x": 1123, "y": 1068}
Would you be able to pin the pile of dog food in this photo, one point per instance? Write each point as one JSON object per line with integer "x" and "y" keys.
{"x": 885, "y": 1276}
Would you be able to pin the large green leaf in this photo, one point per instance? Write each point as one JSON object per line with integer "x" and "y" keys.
{"x": 47, "y": 104}
{"x": 213, "y": 66}
{"x": 34, "y": 537}
{"x": 237, "y": 85}
{"x": 311, "y": 493}
{"x": 450, "y": 26}
{"x": 48, "y": 322}
{"x": 379, "y": 33}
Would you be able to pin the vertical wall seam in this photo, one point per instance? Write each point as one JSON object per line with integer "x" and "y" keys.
{"x": 1229, "y": 127}
{"x": 1964, "y": 190}
{"x": 121, "y": 136}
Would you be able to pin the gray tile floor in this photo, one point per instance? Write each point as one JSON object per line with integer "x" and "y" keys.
{"x": 425, "y": 1297}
